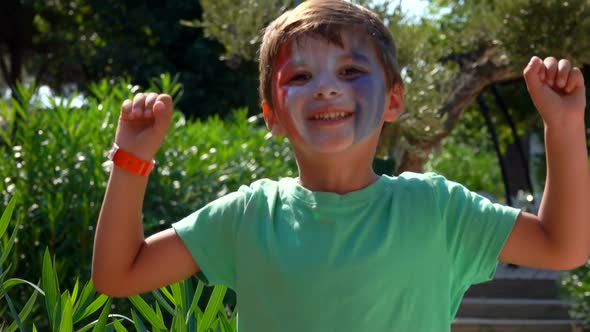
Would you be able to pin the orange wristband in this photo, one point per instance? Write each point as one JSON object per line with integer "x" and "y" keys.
{"x": 129, "y": 162}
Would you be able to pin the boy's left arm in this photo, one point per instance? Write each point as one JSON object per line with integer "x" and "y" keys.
{"x": 559, "y": 237}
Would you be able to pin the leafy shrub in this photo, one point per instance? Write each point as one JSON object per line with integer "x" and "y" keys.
{"x": 477, "y": 169}
{"x": 576, "y": 285}
{"x": 77, "y": 307}
{"x": 55, "y": 156}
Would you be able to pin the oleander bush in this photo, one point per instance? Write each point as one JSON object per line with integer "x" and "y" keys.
{"x": 54, "y": 154}
{"x": 175, "y": 307}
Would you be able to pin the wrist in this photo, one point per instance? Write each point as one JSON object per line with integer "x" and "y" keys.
{"x": 129, "y": 161}
{"x": 565, "y": 129}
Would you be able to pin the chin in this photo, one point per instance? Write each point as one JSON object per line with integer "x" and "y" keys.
{"x": 332, "y": 146}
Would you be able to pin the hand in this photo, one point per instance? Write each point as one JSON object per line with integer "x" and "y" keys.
{"x": 143, "y": 124}
{"x": 557, "y": 90}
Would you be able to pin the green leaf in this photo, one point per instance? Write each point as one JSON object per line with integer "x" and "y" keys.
{"x": 14, "y": 314}
{"x": 179, "y": 295}
{"x": 115, "y": 316}
{"x": 66, "y": 324}
{"x": 194, "y": 305}
{"x": 85, "y": 298}
{"x": 8, "y": 284}
{"x": 222, "y": 316}
{"x": 9, "y": 246}
{"x": 212, "y": 307}
{"x": 75, "y": 291}
{"x": 138, "y": 322}
{"x": 118, "y": 326}
{"x": 234, "y": 315}
{"x": 178, "y": 324}
{"x": 167, "y": 293}
{"x": 104, "y": 315}
{"x": 91, "y": 308}
{"x": 24, "y": 314}
{"x": 7, "y": 215}
{"x": 146, "y": 311}
{"x": 50, "y": 287}
{"x": 158, "y": 295}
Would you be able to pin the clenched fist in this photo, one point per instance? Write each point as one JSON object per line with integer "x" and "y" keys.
{"x": 557, "y": 90}
{"x": 143, "y": 124}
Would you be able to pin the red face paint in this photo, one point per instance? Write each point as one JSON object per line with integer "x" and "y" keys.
{"x": 280, "y": 95}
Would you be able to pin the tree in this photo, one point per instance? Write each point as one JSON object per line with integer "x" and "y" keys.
{"x": 447, "y": 59}
{"x": 71, "y": 43}
{"x": 490, "y": 42}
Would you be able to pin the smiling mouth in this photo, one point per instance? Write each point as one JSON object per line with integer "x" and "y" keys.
{"x": 331, "y": 116}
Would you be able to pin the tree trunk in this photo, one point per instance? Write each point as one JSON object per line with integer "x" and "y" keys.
{"x": 472, "y": 80}
{"x": 16, "y": 38}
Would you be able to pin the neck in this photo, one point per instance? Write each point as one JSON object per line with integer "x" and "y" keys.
{"x": 338, "y": 173}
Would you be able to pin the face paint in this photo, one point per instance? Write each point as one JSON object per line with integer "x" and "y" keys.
{"x": 280, "y": 95}
{"x": 369, "y": 95}
{"x": 328, "y": 95}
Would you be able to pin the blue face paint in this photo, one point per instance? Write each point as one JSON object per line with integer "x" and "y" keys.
{"x": 329, "y": 97}
{"x": 370, "y": 102}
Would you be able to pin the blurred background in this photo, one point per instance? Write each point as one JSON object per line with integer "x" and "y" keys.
{"x": 67, "y": 65}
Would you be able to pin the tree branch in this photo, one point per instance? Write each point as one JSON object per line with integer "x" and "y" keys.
{"x": 475, "y": 76}
{"x": 469, "y": 85}
{"x": 4, "y": 69}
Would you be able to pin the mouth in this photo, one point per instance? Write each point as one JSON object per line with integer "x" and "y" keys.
{"x": 328, "y": 115}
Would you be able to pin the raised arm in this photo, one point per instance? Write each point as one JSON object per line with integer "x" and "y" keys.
{"x": 559, "y": 237}
{"x": 124, "y": 262}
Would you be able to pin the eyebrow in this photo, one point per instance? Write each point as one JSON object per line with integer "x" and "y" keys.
{"x": 358, "y": 57}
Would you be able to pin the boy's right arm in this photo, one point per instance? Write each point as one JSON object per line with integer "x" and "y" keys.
{"x": 124, "y": 262}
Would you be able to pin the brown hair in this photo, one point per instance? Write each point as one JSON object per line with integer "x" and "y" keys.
{"x": 326, "y": 19}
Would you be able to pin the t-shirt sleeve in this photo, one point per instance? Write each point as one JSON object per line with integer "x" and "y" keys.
{"x": 476, "y": 230}
{"x": 210, "y": 236}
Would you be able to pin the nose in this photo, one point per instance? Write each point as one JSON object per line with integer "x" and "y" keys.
{"x": 327, "y": 88}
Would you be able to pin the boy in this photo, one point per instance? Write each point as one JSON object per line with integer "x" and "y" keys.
{"x": 340, "y": 248}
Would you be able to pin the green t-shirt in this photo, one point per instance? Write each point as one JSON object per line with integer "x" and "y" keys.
{"x": 395, "y": 256}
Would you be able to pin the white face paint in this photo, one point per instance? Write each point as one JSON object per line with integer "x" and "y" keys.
{"x": 329, "y": 97}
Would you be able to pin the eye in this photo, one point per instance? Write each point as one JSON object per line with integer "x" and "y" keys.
{"x": 351, "y": 72}
{"x": 300, "y": 78}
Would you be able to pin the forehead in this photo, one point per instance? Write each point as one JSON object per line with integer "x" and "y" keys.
{"x": 354, "y": 45}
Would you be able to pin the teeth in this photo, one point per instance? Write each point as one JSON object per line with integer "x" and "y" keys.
{"x": 330, "y": 116}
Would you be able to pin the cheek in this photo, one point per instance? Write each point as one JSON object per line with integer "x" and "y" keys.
{"x": 285, "y": 98}
{"x": 370, "y": 96}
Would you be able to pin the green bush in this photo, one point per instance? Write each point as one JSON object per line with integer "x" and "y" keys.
{"x": 576, "y": 285}
{"x": 55, "y": 156}
{"x": 475, "y": 168}
{"x": 77, "y": 309}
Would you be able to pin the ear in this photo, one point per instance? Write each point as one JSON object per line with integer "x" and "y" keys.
{"x": 394, "y": 103}
{"x": 272, "y": 122}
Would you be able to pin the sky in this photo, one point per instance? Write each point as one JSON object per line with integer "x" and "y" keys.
{"x": 414, "y": 7}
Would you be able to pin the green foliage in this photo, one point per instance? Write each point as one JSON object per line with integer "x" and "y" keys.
{"x": 61, "y": 44}
{"x": 56, "y": 158}
{"x": 476, "y": 169}
{"x": 77, "y": 307}
{"x": 519, "y": 28}
{"x": 576, "y": 285}
{"x": 237, "y": 24}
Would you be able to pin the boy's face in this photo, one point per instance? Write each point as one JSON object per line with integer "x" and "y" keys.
{"x": 328, "y": 97}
